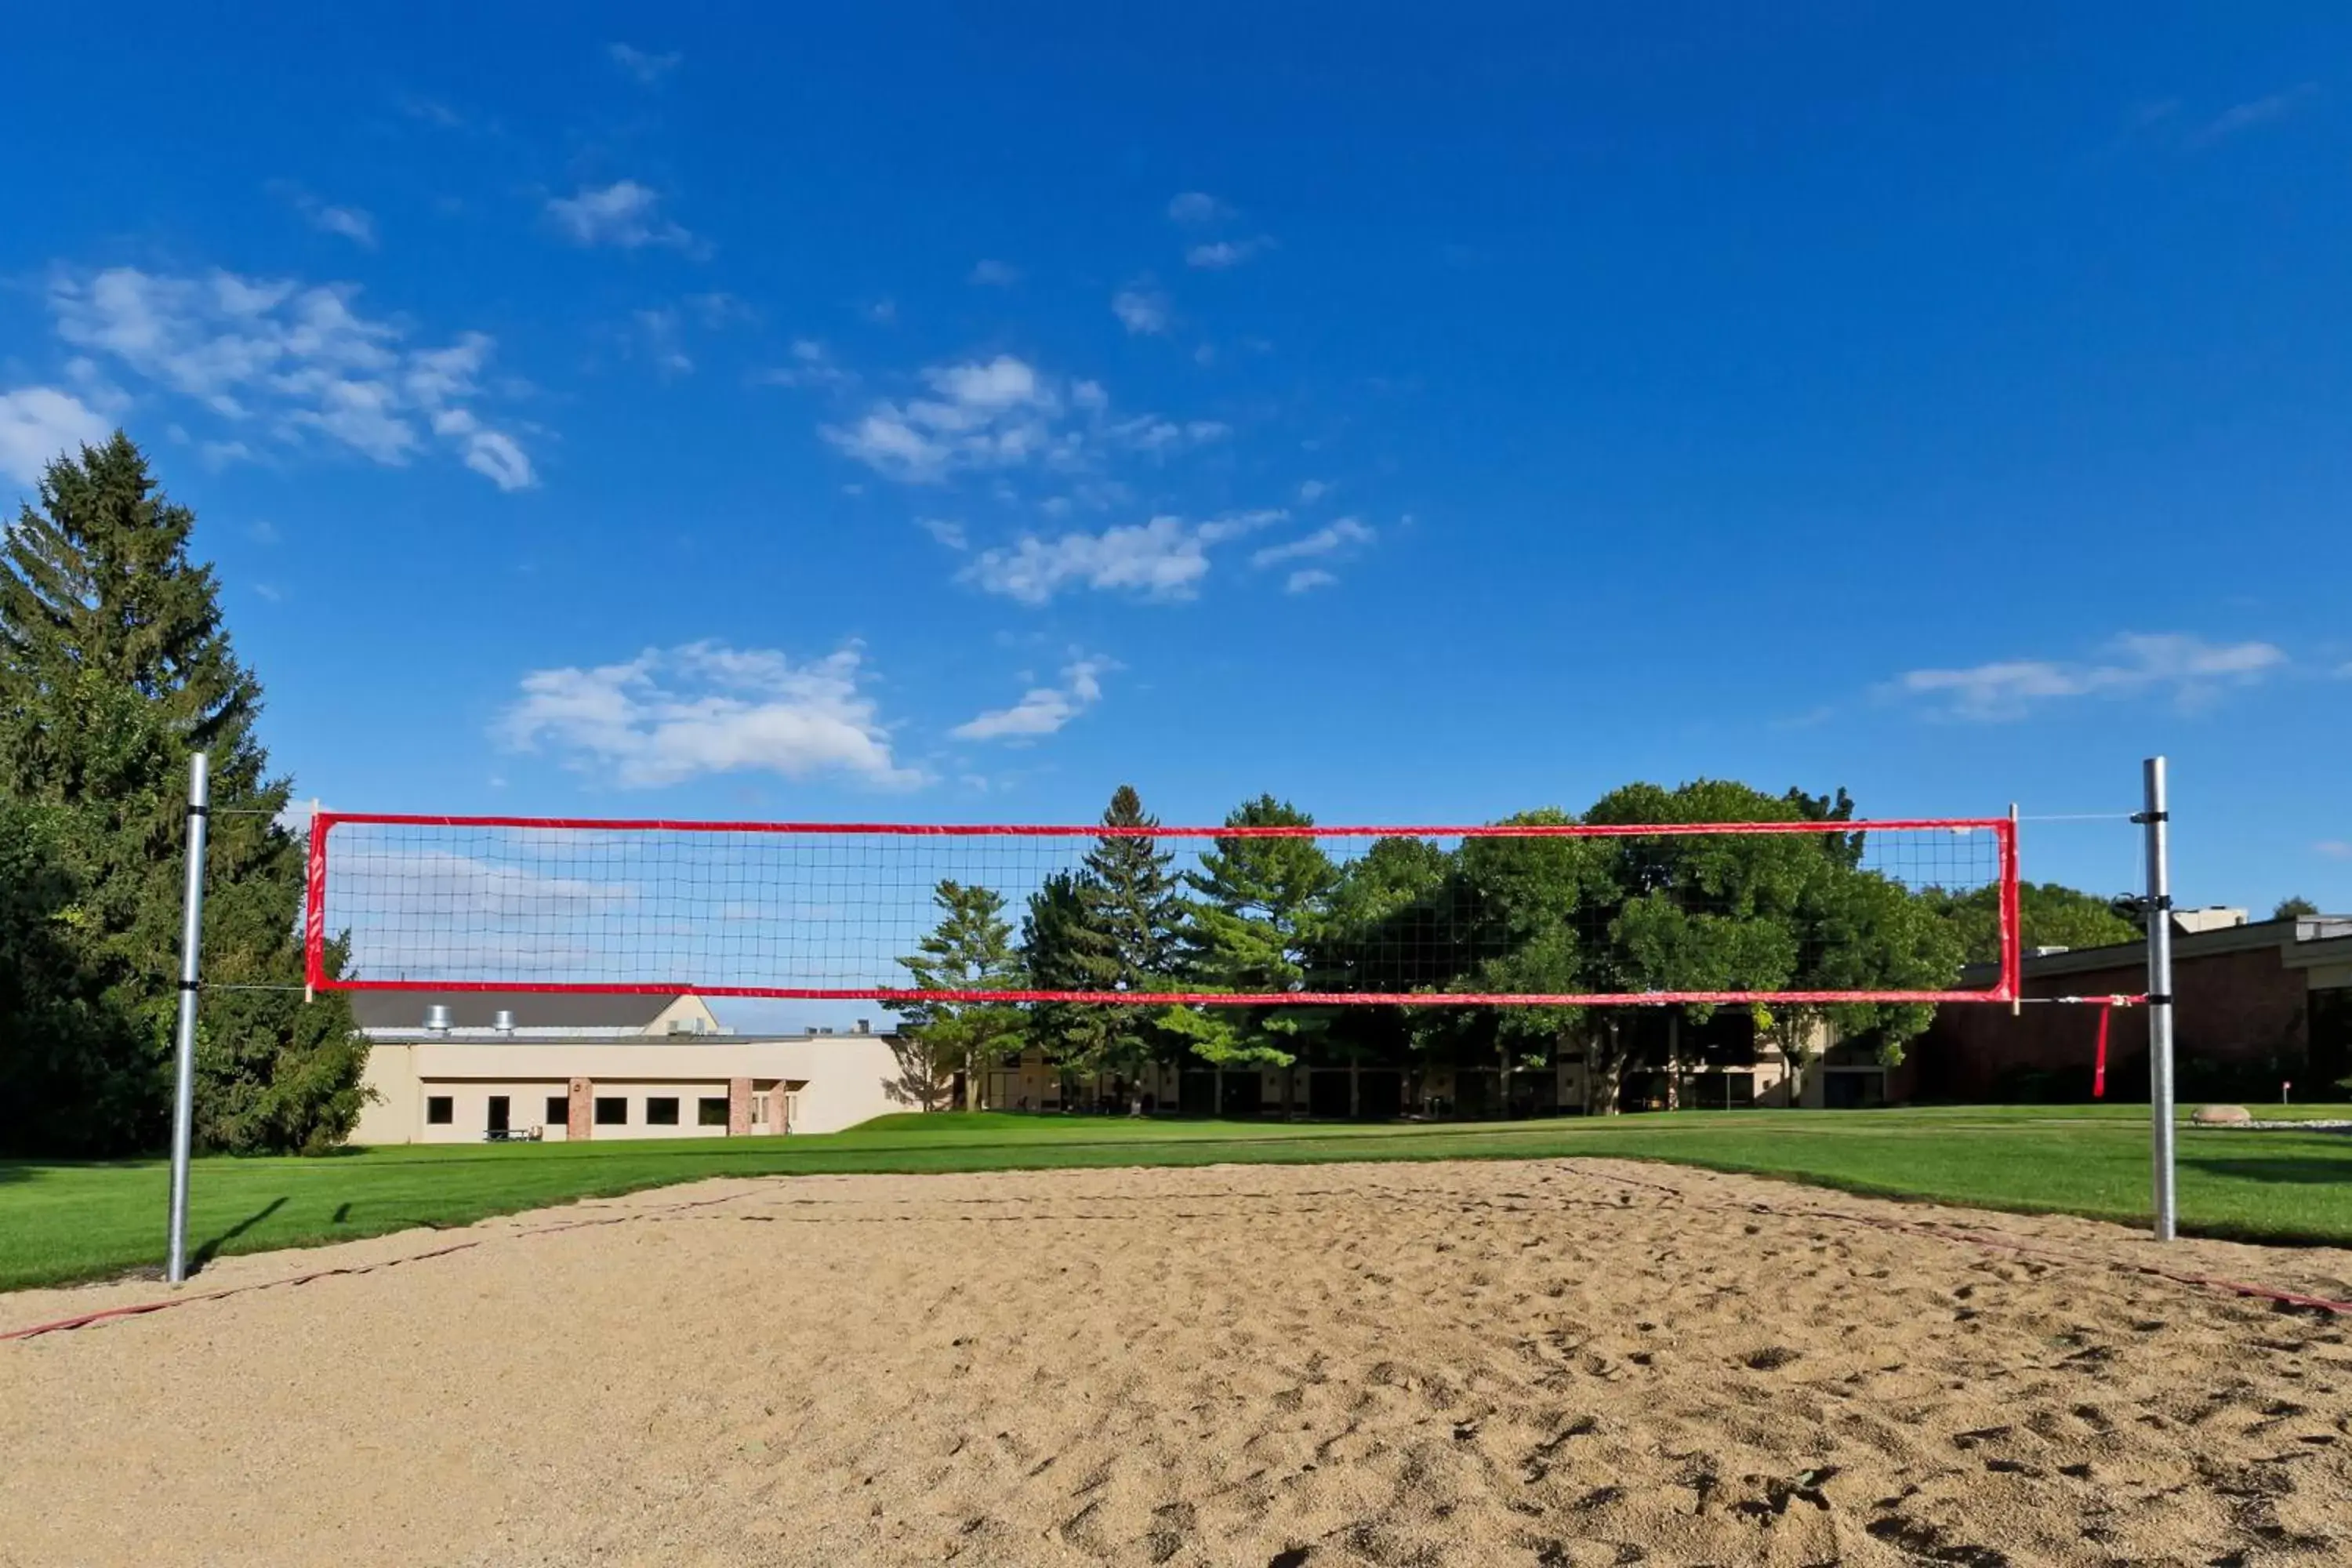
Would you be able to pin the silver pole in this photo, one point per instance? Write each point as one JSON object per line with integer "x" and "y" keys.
{"x": 2160, "y": 995}
{"x": 184, "y": 1093}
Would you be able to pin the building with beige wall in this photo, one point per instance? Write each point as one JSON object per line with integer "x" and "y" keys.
{"x": 462, "y": 1069}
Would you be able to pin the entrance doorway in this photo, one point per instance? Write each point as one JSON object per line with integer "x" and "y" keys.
{"x": 499, "y": 1113}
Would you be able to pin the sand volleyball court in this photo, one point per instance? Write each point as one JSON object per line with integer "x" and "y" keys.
{"x": 1541, "y": 1363}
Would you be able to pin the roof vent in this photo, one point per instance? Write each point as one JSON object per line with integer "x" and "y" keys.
{"x": 436, "y": 1019}
{"x": 865, "y": 1025}
{"x": 503, "y": 1021}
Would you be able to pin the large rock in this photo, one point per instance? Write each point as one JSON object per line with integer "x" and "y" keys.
{"x": 2221, "y": 1115}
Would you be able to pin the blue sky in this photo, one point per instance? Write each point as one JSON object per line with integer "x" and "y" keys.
{"x": 948, "y": 415}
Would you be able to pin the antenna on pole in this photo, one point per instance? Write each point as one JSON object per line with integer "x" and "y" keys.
{"x": 183, "y": 1087}
{"x": 2157, "y": 819}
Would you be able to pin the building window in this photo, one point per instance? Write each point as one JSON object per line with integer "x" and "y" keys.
{"x": 662, "y": 1111}
{"x": 1740, "y": 1087}
{"x": 559, "y": 1110}
{"x": 760, "y": 1109}
{"x": 440, "y": 1109}
{"x": 612, "y": 1111}
{"x": 710, "y": 1110}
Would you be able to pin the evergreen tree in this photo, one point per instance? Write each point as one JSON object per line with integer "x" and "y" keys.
{"x": 1111, "y": 925}
{"x": 970, "y": 950}
{"x": 1063, "y": 950}
{"x": 1133, "y": 903}
{"x": 1250, "y": 927}
{"x": 114, "y": 667}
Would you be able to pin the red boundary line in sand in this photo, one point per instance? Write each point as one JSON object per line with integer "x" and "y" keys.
{"x": 1899, "y": 1227}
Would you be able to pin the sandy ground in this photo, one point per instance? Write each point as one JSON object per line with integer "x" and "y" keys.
{"x": 1544, "y": 1364}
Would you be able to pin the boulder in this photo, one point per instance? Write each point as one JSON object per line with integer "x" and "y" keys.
{"x": 2221, "y": 1115}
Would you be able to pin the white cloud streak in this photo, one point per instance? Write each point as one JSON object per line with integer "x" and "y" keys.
{"x": 2258, "y": 112}
{"x": 991, "y": 414}
{"x": 297, "y": 359}
{"x": 2190, "y": 670}
{"x": 1192, "y": 207}
{"x": 1043, "y": 710}
{"x": 1344, "y": 535}
{"x": 994, "y": 274}
{"x": 41, "y": 423}
{"x": 623, "y": 214}
{"x": 353, "y": 224}
{"x": 1141, "y": 309}
{"x": 1165, "y": 558}
{"x": 673, "y": 714}
{"x": 1218, "y": 254}
{"x": 1307, "y": 579}
{"x": 648, "y": 68}
{"x": 659, "y": 331}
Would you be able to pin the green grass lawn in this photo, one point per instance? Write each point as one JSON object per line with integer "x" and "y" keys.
{"x": 69, "y": 1222}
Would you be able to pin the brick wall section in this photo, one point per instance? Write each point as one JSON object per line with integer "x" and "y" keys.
{"x": 739, "y": 1107}
{"x": 2244, "y": 1007}
{"x": 579, "y": 1112}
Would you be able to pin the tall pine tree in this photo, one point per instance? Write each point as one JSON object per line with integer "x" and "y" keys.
{"x": 114, "y": 667}
{"x": 1111, "y": 925}
{"x": 970, "y": 949}
{"x": 1258, "y": 903}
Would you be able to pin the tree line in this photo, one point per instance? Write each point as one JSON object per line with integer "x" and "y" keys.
{"x": 1552, "y": 915}
{"x": 115, "y": 666}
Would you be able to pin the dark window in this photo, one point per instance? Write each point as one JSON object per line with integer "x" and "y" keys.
{"x": 710, "y": 1110}
{"x": 499, "y": 1114}
{"x": 1741, "y": 1086}
{"x": 440, "y": 1109}
{"x": 612, "y": 1111}
{"x": 559, "y": 1110}
{"x": 661, "y": 1112}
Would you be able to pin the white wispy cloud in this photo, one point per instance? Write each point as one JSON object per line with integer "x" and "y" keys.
{"x": 623, "y": 214}
{"x": 2190, "y": 670}
{"x": 673, "y": 714}
{"x": 1197, "y": 207}
{"x": 658, "y": 330}
{"x": 1155, "y": 437}
{"x": 2333, "y": 848}
{"x": 648, "y": 68}
{"x": 1344, "y": 535}
{"x": 432, "y": 111}
{"x": 994, "y": 274}
{"x": 1313, "y": 491}
{"x": 1218, "y": 254}
{"x": 2242, "y": 117}
{"x": 982, "y": 413}
{"x": 40, "y": 424}
{"x": 1000, "y": 412}
{"x": 812, "y": 364}
{"x": 295, "y": 359}
{"x": 1141, "y": 308}
{"x": 1043, "y": 710}
{"x": 1165, "y": 558}
{"x": 1306, "y": 579}
{"x": 354, "y": 223}
{"x": 947, "y": 530}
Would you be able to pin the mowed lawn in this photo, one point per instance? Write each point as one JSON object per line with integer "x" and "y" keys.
{"x": 67, "y": 1222}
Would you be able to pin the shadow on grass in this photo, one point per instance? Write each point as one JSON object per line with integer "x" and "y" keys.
{"x": 2304, "y": 1172}
{"x": 205, "y": 1253}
